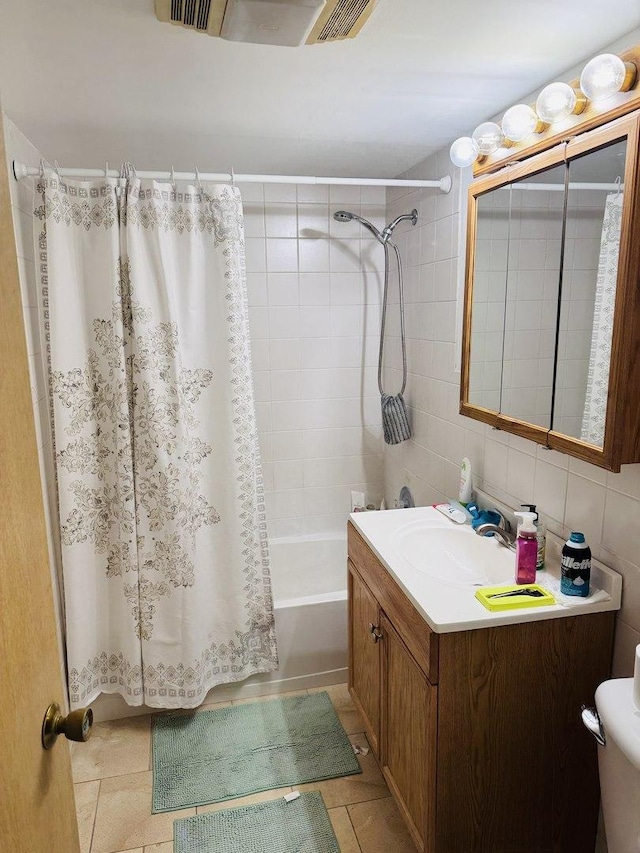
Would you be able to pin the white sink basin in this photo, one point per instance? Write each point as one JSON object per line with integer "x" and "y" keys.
{"x": 455, "y": 556}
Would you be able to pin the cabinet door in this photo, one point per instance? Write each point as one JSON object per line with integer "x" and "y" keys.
{"x": 364, "y": 655}
{"x": 409, "y": 707}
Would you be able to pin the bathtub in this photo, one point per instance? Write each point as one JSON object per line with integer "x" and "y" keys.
{"x": 309, "y": 580}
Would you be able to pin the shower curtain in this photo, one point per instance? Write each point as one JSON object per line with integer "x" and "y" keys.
{"x": 595, "y": 407}
{"x": 162, "y": 522}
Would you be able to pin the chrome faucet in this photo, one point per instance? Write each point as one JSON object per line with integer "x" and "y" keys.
{"x": 502, "y": 535}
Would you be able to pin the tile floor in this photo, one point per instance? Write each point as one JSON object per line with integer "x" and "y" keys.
{"x": 112, "y": 775}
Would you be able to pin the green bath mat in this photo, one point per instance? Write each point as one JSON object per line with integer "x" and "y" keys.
{"x": 301, "y": 826}
{"x": 211, "y": 756}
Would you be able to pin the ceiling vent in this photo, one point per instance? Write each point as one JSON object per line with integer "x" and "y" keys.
{"x": 289, "y": 22}
{"x": 341, "y": 19}
{"x": 205, "y": 16}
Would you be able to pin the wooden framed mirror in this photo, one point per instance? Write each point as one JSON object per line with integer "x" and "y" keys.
{"x": 551, "y": 333}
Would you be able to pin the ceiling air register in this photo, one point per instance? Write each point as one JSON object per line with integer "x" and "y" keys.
{"x": 280, "y": 22}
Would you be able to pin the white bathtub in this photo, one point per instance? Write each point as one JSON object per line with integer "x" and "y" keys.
{"x": 309, "y": 578}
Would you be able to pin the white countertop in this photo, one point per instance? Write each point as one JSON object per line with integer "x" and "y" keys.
{"x": 448, "y": 608}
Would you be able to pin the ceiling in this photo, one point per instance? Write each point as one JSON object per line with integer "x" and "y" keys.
{"x": 95, "y": 80}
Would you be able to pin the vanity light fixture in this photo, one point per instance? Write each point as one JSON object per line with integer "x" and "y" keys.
{"x": 605, "y": 75}
{"x": 602, "y": 76}
{"x": 464, "y": 152}
{"x": 558, "y": 101}
{"x": 488, "y": 137}
{"x": 521, "y": 121}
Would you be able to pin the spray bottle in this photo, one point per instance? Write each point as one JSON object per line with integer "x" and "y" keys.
{"x": 526, "y": 548}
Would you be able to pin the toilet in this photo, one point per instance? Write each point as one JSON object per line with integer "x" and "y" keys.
{"x": 619, "y": 764}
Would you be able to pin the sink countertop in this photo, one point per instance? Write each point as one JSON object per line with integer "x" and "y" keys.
{"x": 448, "y": 608}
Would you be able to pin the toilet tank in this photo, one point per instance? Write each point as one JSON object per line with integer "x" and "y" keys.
{"x": 619, "y": 765}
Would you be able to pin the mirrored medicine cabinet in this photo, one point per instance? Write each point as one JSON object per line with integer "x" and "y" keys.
{"x": 551, "y": 335}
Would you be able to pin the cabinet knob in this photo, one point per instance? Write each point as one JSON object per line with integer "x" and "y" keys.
{"x": 375, "y": 632}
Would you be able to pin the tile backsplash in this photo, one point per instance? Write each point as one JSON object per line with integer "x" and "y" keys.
{"x": 570, "y": 494}
{"x": 314, "y": 289}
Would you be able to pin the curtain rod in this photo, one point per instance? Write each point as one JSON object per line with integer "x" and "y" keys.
{"x": 20, "y": 171}
{"x": 572, "y": 186}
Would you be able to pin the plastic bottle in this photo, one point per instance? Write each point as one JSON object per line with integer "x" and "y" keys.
{"x": 526, "y": 548}
{"x": 576, "y": 566}
{"x": 465, "y": 492}
{"x": 541, "y": 531}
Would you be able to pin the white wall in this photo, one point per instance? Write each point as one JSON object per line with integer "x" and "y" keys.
{"x": 314, "y": 289}
{"x": 570, "y": 494}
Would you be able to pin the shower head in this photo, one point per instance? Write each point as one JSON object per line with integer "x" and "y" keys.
{"x": 347, "y": 216}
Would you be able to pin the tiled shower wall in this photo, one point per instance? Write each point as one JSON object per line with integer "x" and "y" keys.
{"x": 570, "y": 494}
{"x": 314, "y": 288}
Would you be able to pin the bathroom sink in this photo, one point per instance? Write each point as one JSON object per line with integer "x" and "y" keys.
{"x": 455, "y": 556}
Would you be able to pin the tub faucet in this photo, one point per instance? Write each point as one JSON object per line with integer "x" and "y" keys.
{"x": 501, "y": 534}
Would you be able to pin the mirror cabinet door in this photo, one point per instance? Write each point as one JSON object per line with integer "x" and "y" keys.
{"x": 489, "y": 295}
{"x": 589, "y": 277}
{"x": 533, "y": 284}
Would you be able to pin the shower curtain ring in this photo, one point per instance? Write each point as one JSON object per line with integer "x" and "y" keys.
{"x": 618, "y": 184}
{"x": 173, "y": 179}
{"x": 198, "y": 181}
{"x": 56, "y": 166}
{"x": 106, "y": 168}
{"x": 233, "y": 177}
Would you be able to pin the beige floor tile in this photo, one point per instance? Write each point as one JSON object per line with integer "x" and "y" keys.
{"x": 368, "y": 785}
{"x": 124, "y": 818}
{"x": 271, "y": 696}
{"x": 115, "y": 747}
{"x": 163, "y": 847}
{"x": 86, "y": 794}
{"x": 379, "y": 827}
{"x": 348, "y": 715}
{"x": 250, "y": 800}
{"x": 343, "y": 829}
{"x": 213, "y": 706}
{"x": 141, "y": 849}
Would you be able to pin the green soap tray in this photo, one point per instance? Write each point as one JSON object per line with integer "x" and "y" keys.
{"x": 513, "y": 602}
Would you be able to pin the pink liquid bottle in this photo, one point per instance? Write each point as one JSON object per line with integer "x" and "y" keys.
{"x": 526, "y": 548}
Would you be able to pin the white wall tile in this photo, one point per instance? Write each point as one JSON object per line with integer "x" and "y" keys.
{"x": 283, "y": 288}
{"x": 315, "y": 288}
{"x": 280, "y": 192}
{"x": 282, "y": 255}
{"x": 280, "y": 220}
{"x": 314, "y": 255}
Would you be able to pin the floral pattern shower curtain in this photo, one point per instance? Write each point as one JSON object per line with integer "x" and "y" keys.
{"x": 163, "y": 534}
{"x": 597, "y": 393}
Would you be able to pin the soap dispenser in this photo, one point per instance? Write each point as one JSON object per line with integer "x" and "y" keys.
{"x": 526, "y": 548}
{"x": 541, "y": 534}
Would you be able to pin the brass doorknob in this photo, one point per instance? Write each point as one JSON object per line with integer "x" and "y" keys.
{"x": 75, "y": 726}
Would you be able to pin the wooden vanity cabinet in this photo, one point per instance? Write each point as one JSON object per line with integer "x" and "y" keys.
{"x": 478, "y": 732}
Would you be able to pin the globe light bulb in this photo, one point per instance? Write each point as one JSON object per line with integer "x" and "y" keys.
{"x": 605, "y": 75}
{"x": 488, "y": 137}
{"x": 558, "y": 101}
{"x": 519, "y": 122}
{"x": 464, "y": 152}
